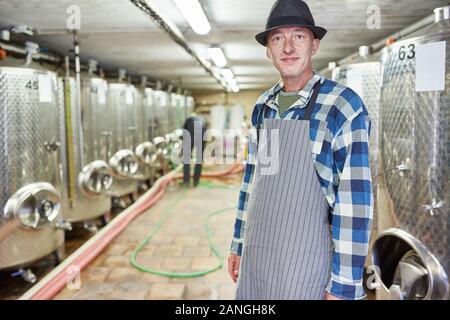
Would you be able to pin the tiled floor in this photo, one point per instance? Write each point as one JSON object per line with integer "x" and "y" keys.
{"x": 181, "y": 245}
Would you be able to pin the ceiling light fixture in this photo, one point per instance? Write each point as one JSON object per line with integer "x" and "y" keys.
{"x": 235, "y": 88}
{"x": 227, "y": 73}
{"x": 217, "y": 56}
{"x": 232, "y": 82}
{"x": 195, "y": 16}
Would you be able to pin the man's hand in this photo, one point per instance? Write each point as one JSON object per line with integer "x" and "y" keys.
{"x": 331, "y": 297}
{"x": 234, "y": 261}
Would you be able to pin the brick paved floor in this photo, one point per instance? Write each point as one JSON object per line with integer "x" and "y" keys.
{"x": 181, "y": 245}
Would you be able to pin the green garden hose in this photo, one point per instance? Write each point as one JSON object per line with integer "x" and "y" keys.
{"x": 209, "y": 232}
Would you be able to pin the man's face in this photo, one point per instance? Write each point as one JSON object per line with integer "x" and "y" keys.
{"x": 291, "y": 50}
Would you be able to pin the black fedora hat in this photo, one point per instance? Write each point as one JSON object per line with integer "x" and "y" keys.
{"x": 286, "y": 13}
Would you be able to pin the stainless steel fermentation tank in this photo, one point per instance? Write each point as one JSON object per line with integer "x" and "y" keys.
{"x": 412, "y": 250}
{"x": 119, "y": 125}
{"x": 148, "y": 124}
{"x": 190, "y": 106}
{"x": 30, "y": 163}
{"x": 94, "y": 111}
{"x": 87, "y": 178}
{"x": 161, "y": 99}
{"x": 177, "y": 116}
{"x": 162, "y": 106}
{"x": 173, "y": 112}
{"x": 144, "y": 149}
{"x": 182, "y": 110}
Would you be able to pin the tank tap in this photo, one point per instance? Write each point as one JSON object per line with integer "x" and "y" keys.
{"x": 63, "y": 225}
{"x": 26, "y": 275}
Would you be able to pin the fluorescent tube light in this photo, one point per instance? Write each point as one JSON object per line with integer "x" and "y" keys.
{"x": 217, "y": 56}
{"x": 227, "y": 73}
{"x": 195, "y": 16}
{"x": 235, "y": 88}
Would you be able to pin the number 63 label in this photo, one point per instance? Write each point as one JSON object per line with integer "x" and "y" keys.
{"x": 407, "y": 52}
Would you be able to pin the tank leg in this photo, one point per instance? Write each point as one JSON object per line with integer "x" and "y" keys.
{"x": 58, "y": 255}
{"x": 105, "y": 219}
{"x": 144, "y": 186}
{"x": 119, "y": 203}
{"x": 133, "y": 196}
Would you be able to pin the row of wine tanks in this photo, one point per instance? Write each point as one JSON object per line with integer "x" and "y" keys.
{"x": 410, "y": 160}
{"x": 62, "y": 161}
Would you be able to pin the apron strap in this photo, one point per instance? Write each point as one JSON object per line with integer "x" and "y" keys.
{"x": 307, "y": 115}
{"x": 312, "y": 101}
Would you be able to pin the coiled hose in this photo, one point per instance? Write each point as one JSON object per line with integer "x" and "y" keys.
{"x": 209, "y": 231}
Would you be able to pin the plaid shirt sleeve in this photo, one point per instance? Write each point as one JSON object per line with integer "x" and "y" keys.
{"x": 353, "y": 209}
{"x": 244, "y": 193}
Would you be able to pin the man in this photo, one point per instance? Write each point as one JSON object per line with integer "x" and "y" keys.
{"x": 320, "y": 130}
{"x": 193, "y": 133}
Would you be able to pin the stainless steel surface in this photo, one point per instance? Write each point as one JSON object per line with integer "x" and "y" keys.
{"x": 162, "y": 113}
{"x": 190, "y": 106}
{"x": 407, "y": 268}
{"x": 182, "y": 110}
{"x": 86, "y": 185}
{"x": 122, "y": 105}
{"x": 145, "y": 151}
{"x": 34, "y": 205}
{"x": 150, "y": 102}
{"x": 415, "y": 131}
{"x": 120, "y": 122}
{"x": 161, "y": 145}
{"x": 30, "y": 164}
{"x": 146, "y": 116}
{"x": 173, "y": 112}
{"x": 94, "y": 117}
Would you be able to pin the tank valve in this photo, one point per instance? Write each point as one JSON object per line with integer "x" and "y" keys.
{"x": 431, "y": 207}
{"x": 51, "y": 146}
{"x": 402, "y": 167}
{"x": 396, "y": 292}
{"x": 63, "y": 225}
{"x": 26, "y": 275}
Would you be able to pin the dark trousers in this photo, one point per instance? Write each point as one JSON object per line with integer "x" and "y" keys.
{"x": 198, "y": 165}
{"x": 187, "y": 174}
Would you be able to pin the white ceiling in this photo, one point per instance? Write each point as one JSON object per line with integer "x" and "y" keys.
{"x": 119, "y": 35}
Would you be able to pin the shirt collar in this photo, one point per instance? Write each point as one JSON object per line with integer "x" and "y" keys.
{"x": 270, "y": 97}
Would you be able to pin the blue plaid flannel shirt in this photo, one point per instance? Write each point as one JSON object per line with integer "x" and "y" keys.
{"x": 339, "y": 136}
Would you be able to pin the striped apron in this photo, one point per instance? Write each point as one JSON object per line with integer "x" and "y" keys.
{"x": 287, "y": 246}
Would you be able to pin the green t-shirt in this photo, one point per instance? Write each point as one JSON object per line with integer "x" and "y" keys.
{"x": 285, "y": 100}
